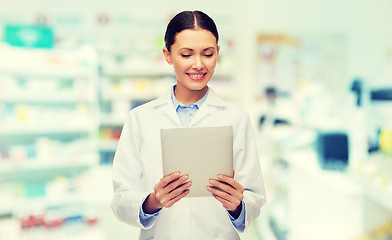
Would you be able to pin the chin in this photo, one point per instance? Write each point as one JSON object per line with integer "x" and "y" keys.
{"x": 197, "y": 86}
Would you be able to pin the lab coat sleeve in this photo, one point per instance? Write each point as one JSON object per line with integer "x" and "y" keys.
{"x": 248, "y": 172}
{"x": 127, "y": 175}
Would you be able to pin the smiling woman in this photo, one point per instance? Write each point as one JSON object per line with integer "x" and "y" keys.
{"x": 143, "y": 197}
{"x": 193, "y": 56}
{"x": 191, "y": 46}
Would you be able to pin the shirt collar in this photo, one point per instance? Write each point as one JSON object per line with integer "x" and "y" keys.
{"x": 212, "y": 99}
{"x": 178, "y": 104}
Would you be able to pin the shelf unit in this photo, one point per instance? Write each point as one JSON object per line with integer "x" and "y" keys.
{"x": 40, "y": 172}
{"x": 373, "y": 174}
{"x": 120, "y": 91}
{"x": 48, "y": 122}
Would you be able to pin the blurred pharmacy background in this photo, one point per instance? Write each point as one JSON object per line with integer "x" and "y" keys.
{"x": 315, "y": 76}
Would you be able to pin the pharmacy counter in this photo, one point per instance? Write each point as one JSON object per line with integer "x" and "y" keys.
{"x": 325, "y": 204}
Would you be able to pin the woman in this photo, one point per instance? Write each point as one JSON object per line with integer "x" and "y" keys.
{"x": 156, "y": 203}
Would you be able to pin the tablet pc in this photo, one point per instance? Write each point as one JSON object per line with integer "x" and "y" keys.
{"x": 200, "y": 152}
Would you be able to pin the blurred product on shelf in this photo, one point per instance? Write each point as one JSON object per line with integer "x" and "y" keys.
{"x": 333, "y": 150}
{"x": 109, "y": 136}
{"x": 48, "y": 128}
{"x": 110, "y": 133}
{"x": 46, "y": 152}
{"x": 383, "y": 231}
{"x": 386, "y": 141}
{"x": 66, "y": 223}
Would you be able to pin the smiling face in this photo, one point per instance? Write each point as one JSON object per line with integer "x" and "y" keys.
{"x": 193, "y": 56}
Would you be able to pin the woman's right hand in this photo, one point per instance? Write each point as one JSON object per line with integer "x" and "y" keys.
{"x": 169, "y": 190}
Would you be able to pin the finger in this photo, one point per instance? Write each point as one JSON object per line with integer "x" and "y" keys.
{"x": 234, "y": 198}
{"x": 237, "y": 193}
{"x": 225, "y": 203}
{"x": 176, "y": 199}
{"x": 179, "y": 190}
{"x": 231, "y": 181}
{"x": 159, "y": 188}
{"x": 175, "y": 184}
{"x": 163, "y": 194}
{"x": 167, "y": 179}
{"x": 220, "y": 193}
{"x": 223, "y": 186}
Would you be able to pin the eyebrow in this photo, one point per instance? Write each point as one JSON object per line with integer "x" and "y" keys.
{"x": 190, "y": 49}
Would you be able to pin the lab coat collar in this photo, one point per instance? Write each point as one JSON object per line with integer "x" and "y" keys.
{"x": 165, "y": 102}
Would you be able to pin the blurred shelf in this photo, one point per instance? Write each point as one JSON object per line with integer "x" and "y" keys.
{"x": 48, "y": 63}
{"x": 263, "y": 223}
{"x": 17, "y": 205}
{"x": 374, "y": 175}
{"x": 21, "y": 130}
{"x": 108, "y": 145}
{"x": 375, "y": 186}
{"x": 40, "y": 172}
{"x": 112, "y": 120}
{"x": 379, "y": 194}
{"x": 49, "y": 99}
{"x": 89, "y": 234}
{"x": 146, "y": 96}
{"x": 305, "y": 160}
{"x": 50, "y": 74}
{"x": 121, "y": 73}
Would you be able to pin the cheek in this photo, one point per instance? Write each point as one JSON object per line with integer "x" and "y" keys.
{"x": 210, "y": 64}
{"x": 180, "y": 65}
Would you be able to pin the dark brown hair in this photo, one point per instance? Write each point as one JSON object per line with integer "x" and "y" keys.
{"x": 188, "y": 20}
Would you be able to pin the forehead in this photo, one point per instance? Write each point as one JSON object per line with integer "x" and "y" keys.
{"x": 194, "y": 39}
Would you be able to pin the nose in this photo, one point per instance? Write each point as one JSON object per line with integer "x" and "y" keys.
{"x": 198, "y": 63}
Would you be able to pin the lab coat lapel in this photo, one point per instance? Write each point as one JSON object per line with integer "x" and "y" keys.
{"x": 205, "y": 109}
{"x": 169, "y": 110}
{"x": 201, "y": 113}
{"x": 166, "y": 104}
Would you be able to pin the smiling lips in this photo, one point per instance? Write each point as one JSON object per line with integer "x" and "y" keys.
{"x": 196, "y": 76}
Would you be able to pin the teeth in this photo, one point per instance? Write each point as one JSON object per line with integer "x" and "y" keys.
{"x": 196, "y": 75}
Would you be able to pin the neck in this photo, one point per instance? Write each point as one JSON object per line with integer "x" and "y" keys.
{"x": 187, "y": 96}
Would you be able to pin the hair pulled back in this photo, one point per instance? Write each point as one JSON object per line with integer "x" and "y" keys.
{"x": 188, "y": 20}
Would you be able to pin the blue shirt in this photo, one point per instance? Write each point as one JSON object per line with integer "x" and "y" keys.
{"x": 185, "y": 115}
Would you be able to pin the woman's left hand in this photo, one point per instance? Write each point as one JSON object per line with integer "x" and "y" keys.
{"x": 229, "y": 192}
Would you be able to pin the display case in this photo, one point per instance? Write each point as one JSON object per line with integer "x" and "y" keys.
{"x": 48, "y": 128}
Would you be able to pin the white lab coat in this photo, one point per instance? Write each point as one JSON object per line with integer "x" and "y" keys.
{"x": 137, "y": 167}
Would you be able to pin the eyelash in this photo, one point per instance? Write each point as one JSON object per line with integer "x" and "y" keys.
{"x": 187, "y": 56}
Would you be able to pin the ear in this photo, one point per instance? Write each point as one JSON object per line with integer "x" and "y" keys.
{"x": 217, "y": 53}
{"x": 167, "y": 56}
